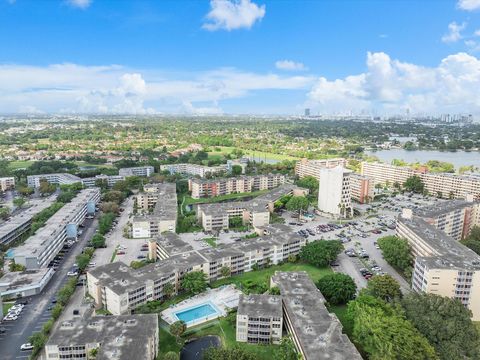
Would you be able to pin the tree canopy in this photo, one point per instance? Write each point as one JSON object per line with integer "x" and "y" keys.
{"x": 297, "y": 203}
{"x": 384, "y": 287}
{"x": 194, "y": 282}
{"x": 414, "y": 184}
{"x": 308, "y": 182}
{"x": 337, "y": 288}
{"x": 321, "y": 252}
{"x": 396, "y": 252}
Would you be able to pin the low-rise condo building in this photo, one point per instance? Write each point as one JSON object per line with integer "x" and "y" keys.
{"x": 316, "y": 333}
{"x": 216, "y": 187}
{"x": 14, "y": 228}
{"x": 144, "y": 171}
{"x": 7, "y": 183}
{"x": 160, "y": 203}
{"x": 33, "y": 181}
{"x": 124, "y": 337}
{"x": 194, "y": 169}
{"x": 307, "y": 167}
{"x": 259, "y": 319}
{"x": 120, "y": 289}
{"x": 108, "y": 180}
{"x": 443, "y": 266}
{"x": 40, "y": 249}
{"x": 334, "y": 193}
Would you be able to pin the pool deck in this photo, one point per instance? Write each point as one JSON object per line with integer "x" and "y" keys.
{"x": 223, "y": 299}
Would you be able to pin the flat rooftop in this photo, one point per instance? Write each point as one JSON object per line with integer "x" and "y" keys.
{"x": 26, "y": 215}
{"x": 444, "y": 207}
{"x": 318, "y": 331}
{"x": 173, "y": 244}
{"x": 451, "y": 253}
{"x": 165, "y": 208}
{"x": 37, "y": 243}
{"x": 120, "y": 337}
{"x": 18, "y": 280}
{"x": 260, "y": 305}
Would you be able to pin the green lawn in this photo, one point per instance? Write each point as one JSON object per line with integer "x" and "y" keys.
{"x": 258, "y": 155}
{"x": 20, "y": 164}
{"x": 6, "y": 306}
{"x": 167, "y": 342}
{"x": 263, "y": 276}
{"x": 341, "y": 312}
{"x": 211, "y": 241}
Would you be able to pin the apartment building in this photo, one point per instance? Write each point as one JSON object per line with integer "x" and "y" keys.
{"x": 259, "y": 319}
{"x": 33, "y": 181}
{"x": 316, "y": 333}
{"x": 120, "y": 289}
{"x": 123, "y": 337}
{"x": 194, "y": 169}
{"x": 443, "y": 266}
{"x": 255, "y": 212}
{"x": 210, "y": 188}
{"x": 109, "y": 180}
{"x": 144, "y": 171}
{"x": 14, "y": 228}
{"x": 307, "y": 167}
{"x": 40, "y": 249}
{"x": 334, "y": 194}
{"x": 14, "y": 285}
{"x": 445, "y": 185}
{"x": 362, "y": 188}
{"x": 7, "y": 183}
{"x": 160, "y": 203}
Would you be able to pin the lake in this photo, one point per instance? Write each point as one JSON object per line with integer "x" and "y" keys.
{"x": 194, "y": 349}
{"x": 457, "y": 158}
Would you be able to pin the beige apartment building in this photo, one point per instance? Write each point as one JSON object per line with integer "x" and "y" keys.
{"x": 194, "y": 169}
{"x": 259, "y": 319}
{"x": 7, "y": 183}
{"x": 443, "y": 266}
{"x": 445, "y": 185}
{"x": 159, "y": 204}
{"x": 120, "y": 289}
{"x": 307, "y": 167}
{"x": 210, "y": 188}
{"x": 362, "y": 188}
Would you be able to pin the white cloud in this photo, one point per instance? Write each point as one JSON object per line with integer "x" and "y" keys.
{"x": 233, "y": 14}
{"x": 115, "y": 89}
{"x": 454, "y": 32}
{"x": 476, "y": 33}
{"x": 81, "y": 4}
{"x": 469, "y": 5}
{"x": 391, "y": 86}
{"x": 290, "y": 65}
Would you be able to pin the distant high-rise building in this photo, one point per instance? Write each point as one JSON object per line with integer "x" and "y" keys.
{"x": 307, "y": 112}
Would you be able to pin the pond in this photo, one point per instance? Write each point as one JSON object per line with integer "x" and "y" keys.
{"x": 195, "y": 348}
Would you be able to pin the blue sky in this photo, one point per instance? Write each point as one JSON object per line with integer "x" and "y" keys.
{"x": 239, "y": 56}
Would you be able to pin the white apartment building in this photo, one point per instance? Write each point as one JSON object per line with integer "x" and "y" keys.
{"x": 443, "y": 266}
{"x": 123, "y": 337}
{"x": 110, "y": 180}
{"x": 159, "y": 201}
{"x": 193, "y": 169}
{"x": 216, "y": 187}
{"x": 7, "y": 183}
{"x": 14, "y": 228}
{"x": 33, "y": 181}
{"x": 120, "y": 289}
{"x": 40, "y": 249}
{"x": 316, "y": 333}
{"x": 307, "y": 167}
{"x": 259, "y": 319}
{"x": 334, "y": 194}
{"x": 144, "y": 171}
{"x": 445, "y": 185}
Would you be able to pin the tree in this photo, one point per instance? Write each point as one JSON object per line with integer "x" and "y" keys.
{"x": 225, "y": 271}
{"x": 168, "y": 290}
{"x": 287, "y": 350}
{"x": 105, "y": 223}
{"x": 171, "y": 355}
{"x": 14, "y": 267}
{"x": 38, "y": 340}
{"x": 297, "y": 203}
{"x": 98, "y": 241}
{"x": 213, "y": 353}
{"x": 446, "y": 324}
{"x": 321, "y": 252}
{"x": 45, "y": 187}
{"x": 236, "y": 170}
{"x": 4, "y": 213}
{"x": 472, "y": 241}
{"x": 415, "y": 184}
{"x": 19, "y": 202}
{"x": 383, "y": 332}
{"x": 25, "y": 190}
{"x": 397, "y": 252}
{"x": 110, "y": 207}
{"x": 194, "y": 282}
{"x": 308, "y": 182}
{"x": 178, "y": 328}
{"x": 337, "y": 288}
{"x": 384, "y": 287}
{"x": 82, "y": 261}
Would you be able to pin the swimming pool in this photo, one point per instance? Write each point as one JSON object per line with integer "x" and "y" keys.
{"x": 202, "y": 311}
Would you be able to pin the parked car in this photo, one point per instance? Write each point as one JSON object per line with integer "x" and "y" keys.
{"x": 120, "y": 252}
{"x": 26, "y": 346}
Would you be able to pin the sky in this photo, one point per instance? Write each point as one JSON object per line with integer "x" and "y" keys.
{"x": 240, "y": 56}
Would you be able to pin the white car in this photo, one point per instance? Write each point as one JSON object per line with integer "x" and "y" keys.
{"x": 92, "y": 264}
{"x": 26, "y": 346}
{"x": 10, "y": 317}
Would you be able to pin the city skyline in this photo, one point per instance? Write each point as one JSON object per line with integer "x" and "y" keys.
{"x": 238, "y": 57}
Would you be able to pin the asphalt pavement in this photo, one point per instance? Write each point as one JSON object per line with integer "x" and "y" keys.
{"x": 36, "y": 312}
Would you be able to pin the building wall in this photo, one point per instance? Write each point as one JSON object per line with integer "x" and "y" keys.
{"x": 334, "y": 192}
{"x": 307, "y": 167}
{"x": 7, "y": 183}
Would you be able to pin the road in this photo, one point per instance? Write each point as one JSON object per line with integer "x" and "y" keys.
{"x": 35, "y": 314}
